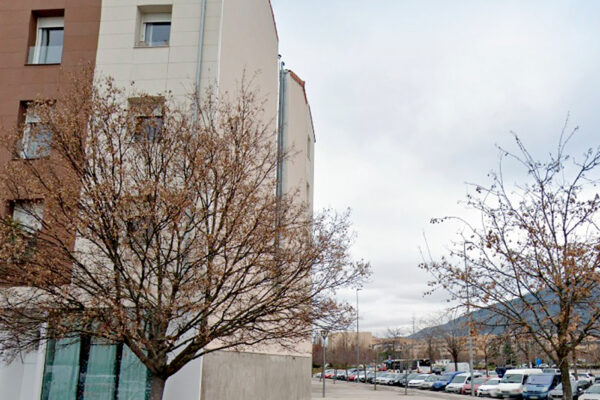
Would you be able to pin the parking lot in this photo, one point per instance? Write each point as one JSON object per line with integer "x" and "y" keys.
{"x": 361, "y": 391}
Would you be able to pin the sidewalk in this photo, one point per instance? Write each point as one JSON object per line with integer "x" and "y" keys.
{"x": 358, "y": 391}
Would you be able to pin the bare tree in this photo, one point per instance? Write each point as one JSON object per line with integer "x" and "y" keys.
{"x": 162, "y": 231}
{"x": 394, "y": 343}
{"x": 488, "y": 344}
{"x": 430, "y": 337}
{"x": 532, "y": 259}
{"x": 453, "y": 334}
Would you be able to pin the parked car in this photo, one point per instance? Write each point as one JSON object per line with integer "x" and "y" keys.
{"x": 513, "y": 380}
{"x": 444, "y": 380}
{"x": 467, "y": 387}
{"x": 538, "y": 386}
{"x": 385, "y": 378}
{"x": 329, "y": 374}
{"x": 489, "y": 388}
{"x": 558, "y": 391}
{"x": 409, "y": 378}
{"x": 341, "y": 375}
{"x": 586, "y": 376}
{"x": 398, "y": 379}
{"x": 353, "y": 374}
{"x": 592, "y": 393}
{"x": 457, "y": 383}
{"x": 429, "y": 381}
{"x": 370, "y": 377}
{"x": 416, "y": 382}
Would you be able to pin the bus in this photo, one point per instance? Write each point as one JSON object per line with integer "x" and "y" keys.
{"x": 421, "y": 365}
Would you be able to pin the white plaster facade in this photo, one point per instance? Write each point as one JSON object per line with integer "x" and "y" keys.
{"x": 230, "y": 39}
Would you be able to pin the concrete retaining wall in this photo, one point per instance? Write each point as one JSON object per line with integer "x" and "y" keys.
{"x": 251, "y": 376}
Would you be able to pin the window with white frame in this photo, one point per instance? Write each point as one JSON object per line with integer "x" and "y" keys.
{"x": 48, "y": 41}
{"x": 155, "y": 27}
{"x": 36, "y": 139}
{"x": 28, "y": 214}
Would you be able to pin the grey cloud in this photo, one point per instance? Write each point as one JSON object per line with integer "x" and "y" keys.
{"x": 409, "y": 100}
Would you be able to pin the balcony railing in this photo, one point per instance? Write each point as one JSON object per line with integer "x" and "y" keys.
{"x": 44, "y": 55}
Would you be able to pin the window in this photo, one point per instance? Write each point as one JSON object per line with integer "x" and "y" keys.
{"x": 148, "y": 128}
{"x": 89, "y": 368}
{"x": 148, "y": 114}
{"x": 36, "y": 138}
{"x": 28, "y": 214}
{"x": 48, "y": 41}
{"x": 155, "y": 26}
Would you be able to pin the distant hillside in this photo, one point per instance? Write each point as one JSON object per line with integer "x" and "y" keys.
{"x": 489, "y": 323}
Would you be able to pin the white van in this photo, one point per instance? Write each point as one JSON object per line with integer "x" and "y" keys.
{"x": 512, "y": 382}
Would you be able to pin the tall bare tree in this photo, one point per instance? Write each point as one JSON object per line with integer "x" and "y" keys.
{"x": 160, "y": 228}
{"x": 489, "y": 346}
{"x": 453, "y": 334}
{"x": 430, "y": 336}
{"x": 394, "y": 344}
{"x": 531, "y": 261}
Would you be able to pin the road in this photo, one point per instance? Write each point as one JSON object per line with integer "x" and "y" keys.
{"x": 360, "y": 391}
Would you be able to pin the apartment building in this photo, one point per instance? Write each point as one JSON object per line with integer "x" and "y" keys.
{"x": 161, "y": 45}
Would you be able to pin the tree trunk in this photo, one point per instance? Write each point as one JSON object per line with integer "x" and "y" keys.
{"x": 158, "y": 388}
{"x": 487, "y": 373}
{"x": 575, "y": 364}
{"x": 456, "y": 364}
{"x": 563, "y": 363}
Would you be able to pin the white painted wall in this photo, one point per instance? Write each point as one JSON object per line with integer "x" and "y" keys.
{"x": 299, "y": 140}
{"x": 249, "y": 43}
{"x": 153, "y": 69}
{"x": 21, "y": 380}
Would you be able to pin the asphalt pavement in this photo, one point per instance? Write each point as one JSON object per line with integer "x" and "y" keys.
{"x": 361, "y": 391}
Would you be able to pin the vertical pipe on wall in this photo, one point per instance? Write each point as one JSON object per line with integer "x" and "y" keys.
{"x": 199, "y": 61}
{"x": 281, "y": 128}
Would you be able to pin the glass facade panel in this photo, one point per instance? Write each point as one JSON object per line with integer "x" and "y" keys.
{"x": 134, "y": 382}
{"x": 61, "y": 370}
{"x": 97, "y": 371}
{"x": 100, "y": 378}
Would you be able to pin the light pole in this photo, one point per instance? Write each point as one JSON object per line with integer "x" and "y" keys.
{"x": 469, "y": 322}
{"x": 324, "y": 336}
{"x": 357, "y": 339}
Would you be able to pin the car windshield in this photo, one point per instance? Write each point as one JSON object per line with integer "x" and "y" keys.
{"x": 478, "y": 381}
{"x": 540, "y": 379}
{"x": 594, "y": 389}
{"x": 432, "y": 378}
{"x": 412, "y": 376}
{"x": 512, "y": 378}
{"x": 459, "y": 379}
{"x": 423, "y": 377}
{"x": 493, "y": 382}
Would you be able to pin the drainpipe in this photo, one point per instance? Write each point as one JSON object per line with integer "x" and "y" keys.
{"x": 281, "y": 128}
{"x": 199, "y": 61}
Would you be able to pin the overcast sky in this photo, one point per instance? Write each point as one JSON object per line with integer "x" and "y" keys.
{"x": 409, "y": 99}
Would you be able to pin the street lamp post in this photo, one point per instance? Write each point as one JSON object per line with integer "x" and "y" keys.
{"x": 357, "y": 339}
{"x": 324, "y": 336}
